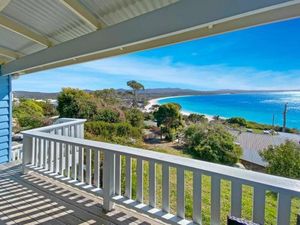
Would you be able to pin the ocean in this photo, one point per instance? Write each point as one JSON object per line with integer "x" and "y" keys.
{"x": 257, "y": 107}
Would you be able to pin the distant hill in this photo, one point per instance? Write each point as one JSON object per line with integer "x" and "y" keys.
{"x": 35, "y": 95}
{"x": 148, "y": 93}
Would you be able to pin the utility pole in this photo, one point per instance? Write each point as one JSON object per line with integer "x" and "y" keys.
{"x": 284, "y": 117}
{"x": 273, "y": 121}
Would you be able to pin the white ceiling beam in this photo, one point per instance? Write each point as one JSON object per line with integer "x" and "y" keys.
{"x": 9, "y": 53}
{"x": 184, "y": 20}
{"x": 23, "y": 31}
{"x": 83, "y": 13}
{"x": 3, "y": 4}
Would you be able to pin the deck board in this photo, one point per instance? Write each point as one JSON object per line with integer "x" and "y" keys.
{"x": 35, "y": 199}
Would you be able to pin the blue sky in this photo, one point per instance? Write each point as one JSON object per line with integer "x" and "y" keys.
{"x": 265, "y": 57}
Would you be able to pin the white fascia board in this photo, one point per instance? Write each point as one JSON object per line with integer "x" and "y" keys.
{"x": 181, "y": 21}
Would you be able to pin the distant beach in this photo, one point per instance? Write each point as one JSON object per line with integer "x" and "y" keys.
{"x": 258, "y": 107}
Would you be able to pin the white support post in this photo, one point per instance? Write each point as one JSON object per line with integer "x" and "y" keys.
{"x": 27, "y": 152}
{"x": 166, "y": 188}
{"x": 197, "y": 199}
{"x": 97, "y": 168}
{"x": 152, "y": 184}
{"x": 74, "y": 165}
{"x": 180, "y": 193}
{"x": 61, "y": 158}
{"x": 88, "y": 178}
{"x": 81, "y": 167}
{"x": 128, "y": 176}
{"x": 284, "y": 209}
{"x": 215, "y": 201}
{"x": 140, "y": 180}
{"x": 45, "y": 154}
{"x": 36, "y": 151}
{"x": 109, "y": 180}
{"x": 41, "y": 152}
{"x": 236, "y": 198}
{"x": 259, "y": 205}
{"x": 118, "y": 173}
{"x": 81, "y": 131}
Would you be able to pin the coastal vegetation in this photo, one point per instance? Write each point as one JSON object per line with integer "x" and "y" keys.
{"x": 212, "y": 143}
{"x": 169, "y": 119}
{"x": 136, "y": 86}
{"x": 241, "y": 122}
{"x": 196, "y": 118}
{"x": 283, "y": 160}
{"x": 135, "y": 117}
{"x": 118, "y": 133}
{"x": 29, "y": 114}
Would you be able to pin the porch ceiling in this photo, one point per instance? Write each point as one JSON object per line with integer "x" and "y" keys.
{"x": 41, "y": 34}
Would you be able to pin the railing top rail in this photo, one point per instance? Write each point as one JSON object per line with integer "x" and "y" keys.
{"x": 65, "y": 122}
{"x": 269, "y": 182}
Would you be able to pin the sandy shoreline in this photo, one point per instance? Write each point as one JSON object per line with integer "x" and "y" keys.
{"x": 155, "y": 101}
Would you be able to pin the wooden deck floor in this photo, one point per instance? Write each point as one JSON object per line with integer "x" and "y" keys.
{"x": 35, "y": 199}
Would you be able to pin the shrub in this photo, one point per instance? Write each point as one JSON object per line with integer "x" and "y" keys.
{"x": 148, "y": 116}
{"x": 212, "y": 143}
{"x": 283, "y": 160}
{"x": 238, "y": 120}
{"x": 169, "y": 119}
{"x": 135, "y": 117}
{"x": 109, "y": 131}
{"x": 197, "y": 118}
{"x": 48, "y": 109}
{"x": 29, "y": 114}
{"x": 75, "y": 103}
{"x": 107, "y": 115}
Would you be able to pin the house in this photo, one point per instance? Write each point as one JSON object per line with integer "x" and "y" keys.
{"x": 252, "y": 144}
{"x": 37, "y": 35}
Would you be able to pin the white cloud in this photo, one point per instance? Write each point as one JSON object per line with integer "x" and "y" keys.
{"x": 112, "y": 72}
{"x": 205, "y": 77}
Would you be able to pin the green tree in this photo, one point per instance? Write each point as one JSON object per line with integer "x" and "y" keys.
{"x": 169, "y": 119}
{"x": 29, "y": 114}
{"x": 75, "y": 103}
{"x": 212, "y": 143}
{"x": 196, "y": 118}
{"x": 121, "y": 133}
{"x": 136, "y": 86}
{"x": 109, "y": 96}
{"x": 238, "y": 120}
{"x": 107, "y": 115}
{"x": 135, "y": 117}
{"x": 48, "y": 109}
{"x": 283, "y": 160}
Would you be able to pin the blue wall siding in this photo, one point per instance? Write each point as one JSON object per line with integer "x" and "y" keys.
{"x": 5, "y": 118}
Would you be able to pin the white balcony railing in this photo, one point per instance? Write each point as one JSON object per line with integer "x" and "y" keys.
{"x": 96, "y": 167}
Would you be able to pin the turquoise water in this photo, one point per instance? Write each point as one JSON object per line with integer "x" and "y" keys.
{"x": 258, "y": 107}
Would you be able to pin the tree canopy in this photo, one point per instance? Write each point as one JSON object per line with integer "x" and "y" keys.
{"x": 136, "y": 86}
{"x": 75, "y": 103}
{"x": 197, "y": 118}
{"x": 169, "y": 119}
{"x": 238, "y": 120}
{"x": 283, "y": 160}
{"x": 31, "y": 114}
{"x": 135, "y": 117}
{"x": 212, "y": 143}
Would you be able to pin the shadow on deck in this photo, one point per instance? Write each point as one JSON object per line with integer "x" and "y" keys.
{"x": 35, "y": 199}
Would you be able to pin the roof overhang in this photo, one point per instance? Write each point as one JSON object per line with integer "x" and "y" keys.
{"x": 177, "y": 22}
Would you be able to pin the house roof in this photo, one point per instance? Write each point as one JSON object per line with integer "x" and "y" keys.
{"x": 41, "y": 34}
{"x": 252, "y": 143}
